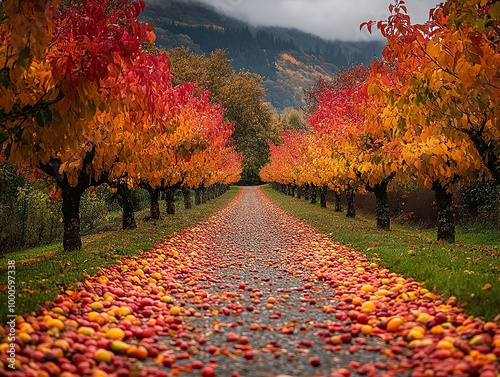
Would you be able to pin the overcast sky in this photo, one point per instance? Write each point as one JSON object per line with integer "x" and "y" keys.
{"x": 330, "y": 19}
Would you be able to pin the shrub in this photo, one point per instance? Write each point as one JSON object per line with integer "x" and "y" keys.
{"x": 140, "y": 198}
{"x": 28, "y": 216}
{"x": 479, "y": 203}
{"x": 93, "y": 209}
{"x": 36, "y": 217}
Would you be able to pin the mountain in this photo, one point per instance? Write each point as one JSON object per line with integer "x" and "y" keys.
{"x": 288, "y": 59}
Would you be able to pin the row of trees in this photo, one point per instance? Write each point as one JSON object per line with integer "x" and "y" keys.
{"x": 428, "y": 112}
{"x": 83, "y": 100}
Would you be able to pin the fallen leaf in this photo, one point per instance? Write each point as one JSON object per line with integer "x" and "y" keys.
{"x": 486, "y": 287}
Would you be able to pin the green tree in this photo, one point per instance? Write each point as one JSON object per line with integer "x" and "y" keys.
{"x": 241, "y": 94}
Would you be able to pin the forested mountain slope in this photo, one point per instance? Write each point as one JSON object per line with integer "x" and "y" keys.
{"x": 288, "y": 59}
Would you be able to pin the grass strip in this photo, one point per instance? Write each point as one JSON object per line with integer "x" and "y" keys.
{"x": 42, "y": 272}
{"x": 468, "y": 269}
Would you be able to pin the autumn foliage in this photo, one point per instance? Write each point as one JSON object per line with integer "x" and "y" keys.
{"x": 83, "y": 101}
{"x": 427, "y": 112}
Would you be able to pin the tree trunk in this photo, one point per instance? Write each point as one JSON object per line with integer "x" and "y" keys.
{"x": 322, "y": 195}
{"x": 71, "y": 197}
{"x": 204, "y": 195}
{"x": 197, "y": 196}
{"x": 307, "y": 191}
{"x": 170, "y": 200}
{"x": 338, "y": 201}
{"x": 382, "y": 207}
{"x": 186, "y": 193}
{"x": 154, "y": 202}
{"x": 299, "y": 192}
{"x": 128, "y": 219}
{"x": 313, "y": 194}
{"x": 446, "y": 218}
{"x": 351, "y": 206}
{"x": 382, "y": 202}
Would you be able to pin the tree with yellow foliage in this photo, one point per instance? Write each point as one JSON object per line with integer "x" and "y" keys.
{"x": 446, "y": 107}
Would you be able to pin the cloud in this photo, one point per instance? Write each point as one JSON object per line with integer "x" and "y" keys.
{"x": 330, "y": 19}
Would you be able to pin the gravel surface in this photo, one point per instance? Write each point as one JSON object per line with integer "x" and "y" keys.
{"x": 255, "y": 248}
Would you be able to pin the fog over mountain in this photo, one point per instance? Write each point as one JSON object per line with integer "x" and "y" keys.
{"x": 329, "y": 19}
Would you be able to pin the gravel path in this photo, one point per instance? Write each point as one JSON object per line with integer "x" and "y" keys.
{"x": 253, "y": 291}
{"x": 256, "y": 250}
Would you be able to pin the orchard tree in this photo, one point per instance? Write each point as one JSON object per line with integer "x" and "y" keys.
{"x": 179, "y": 151}
{"x": 447, "y": 100}
{"x": 124, "y": 186}
{"x": 300, "y": 161}
{"x": 134, "y": 125}
{"x": 287, "y": 162}
{"x": 231, "y": 167}
{"x": 107, "y": 146}
{"x": 92, "y": 59}
{"x": 292, "y": 152}
{"x": 431, "y": 158}
{"x": 346, "y": 112}
{"x": 439, "y": 163}
{"x": 379, "y": 162}
{"x": 90, "y": 42}
{"x": 203, "y": 133}
{"x": 318, "y": 166}
{"x": 226, "y": 169}
{"x": 449, "y": 70}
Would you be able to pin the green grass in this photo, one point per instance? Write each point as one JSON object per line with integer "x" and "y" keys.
{"x": 461, "y": 269}
{"x": 41, "y": 272}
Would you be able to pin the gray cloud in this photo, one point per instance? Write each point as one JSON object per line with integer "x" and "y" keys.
{"x": 330, "y": 19}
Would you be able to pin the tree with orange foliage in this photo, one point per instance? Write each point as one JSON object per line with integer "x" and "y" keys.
{"x": 91, "y": 82}
{"x": 200, "y": 167}
{"x": 448, "y": 97}
{"x": 438, "y": 163}
{"x": 379, "y": 162}
{"x": 285, "y": 165}
{"x": 317, "y": 165}
{"x": 449, "y": 67}
{"x": 27, "y": 86}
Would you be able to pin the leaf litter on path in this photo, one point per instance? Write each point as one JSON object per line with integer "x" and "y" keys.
{"x": 251, "y": 291}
